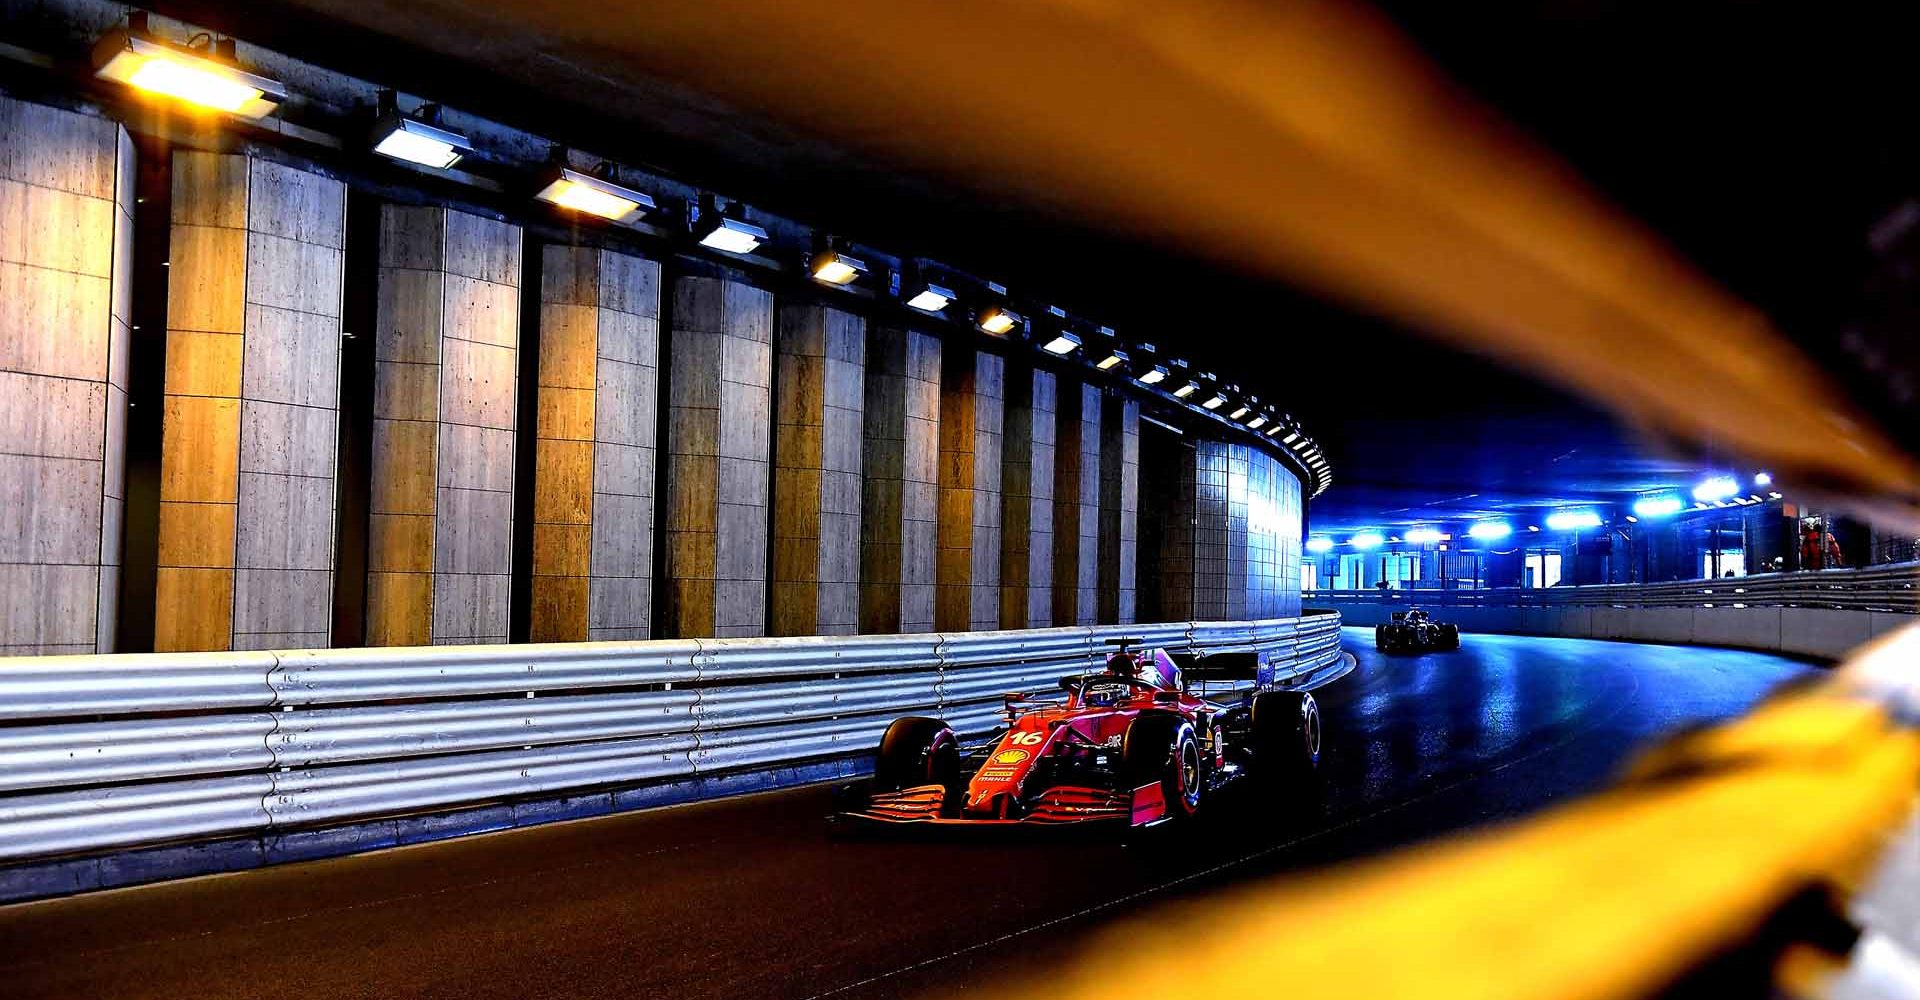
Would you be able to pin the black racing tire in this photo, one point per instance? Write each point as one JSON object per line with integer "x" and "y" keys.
{"x": 1449, "y": 637}
{"x": 1162, "y": 746}
{"x": 1286, "y": 734}
{"x": 916, "y": 751}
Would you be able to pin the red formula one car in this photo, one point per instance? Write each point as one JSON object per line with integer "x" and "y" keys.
{"x": 1131, "y": 744}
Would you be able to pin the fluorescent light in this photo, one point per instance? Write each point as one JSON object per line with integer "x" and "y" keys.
{"x": 1291, "y": 437}
{"x": 1319, "y": 544}
{"x": 158, "y": 68}
{"x": 586, "y": 193}
{"x": 1115, "y": 358}
{"x": 1214, "y": 403}
{"x": 998, "y": 321}
{"x": 1422, "y": 536}
{"x": 1658, "y": 506}
{"x": 1572, "y": 520}
{"x": 1490, "y": 530}
{"x": 1154, "y": 376}
{"x": 1186, "y": 390}
{"x": 836, "y": 268}
{"x": 1275, "y": 429}
{"x": 1063, "y": 345}
{"x": 1257, "y": 422}
{"x": 1763, "y": 479}
{"x": 1773, "y": 496}
{"x": 932, "y": 298}
{"x": 1716, "y": 488}
{"x": 1632, "y": 520}
{"x": 1240, "y": 413}
{"x": 1366, "y": 540}
{"x": 733, "y": 236}
{"x": 416, "y": 141}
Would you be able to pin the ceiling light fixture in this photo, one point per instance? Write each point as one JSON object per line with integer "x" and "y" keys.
{"x": 591, "y": 195}
{"x": 203, "y": 78}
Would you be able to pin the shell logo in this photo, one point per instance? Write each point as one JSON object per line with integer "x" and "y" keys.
{"x": 1010, "y": 756}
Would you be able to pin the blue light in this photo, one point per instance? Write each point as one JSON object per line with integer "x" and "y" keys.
{"x": 1763, "y": 479}
{"x": 1317, "y": 545}
{"x": 1423, "y": 536}
{"x": 1716, "y": 488}
{"x": 1488, "y": 531}
{"x": 1572, "y": 520}
{"x": 1366, "y": 540}
{"x": 1658, "y": 506}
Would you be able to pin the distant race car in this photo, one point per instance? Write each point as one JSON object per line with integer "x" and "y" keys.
{"x": 1128, "y": 745}
{"x": 1415, "y": 631}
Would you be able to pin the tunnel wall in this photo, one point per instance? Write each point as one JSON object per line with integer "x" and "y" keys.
{"x": 1823, "y": 633}
{"x": 546, "y": 433}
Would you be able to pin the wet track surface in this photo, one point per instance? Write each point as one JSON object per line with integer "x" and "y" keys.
{"x": 750, "y": 897}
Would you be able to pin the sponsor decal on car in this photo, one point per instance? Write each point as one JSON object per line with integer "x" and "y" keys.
{"x": 1010, "y": 756}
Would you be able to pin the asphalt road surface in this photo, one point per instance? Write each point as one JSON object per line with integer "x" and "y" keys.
{"x": 751, "y": 898}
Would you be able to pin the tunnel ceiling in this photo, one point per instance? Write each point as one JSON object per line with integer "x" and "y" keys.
{"x": 1763, "y": 146}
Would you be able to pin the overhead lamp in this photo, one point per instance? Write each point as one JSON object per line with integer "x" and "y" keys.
{"x": 586, "y": 193}
{"x": 1114, "y": 359}
{"x": 1257, "y": 422}
{"x": 1773, "y": 496}
{"x": 1632, "y": 520}
{"x": 1275, "y": 429}
{"x": 931, "y": 298}
{"x": 1366, "y": 540}
{"x": 1291, "y": 437}
{"x": 1490, "y": 530}
{"x": 1240, "y": 413}
{"x": 205, "y": 79}
{"x": 727, "y": 235}
{"x": 1318, "y": 545}
{"x": 1763, "y": 479}
{"x": 1662, "y": 506}
{"x": 1062, "y": 344}
{"x": 417, "y": 139}
{"x": 1422, "y": 536}
{"x": 1716, "y": 488}
{"x": 1572, "y": 520}
{"x": 1215, "y": 403}
{"x": 1301, "y": 445}
{"x": 836, "y": 268}
{"x": 1533, "y": 527}
{"x": 1186, "y": 390}
{"x": 1155, "y": 375}
{"x": 998, "y": 320}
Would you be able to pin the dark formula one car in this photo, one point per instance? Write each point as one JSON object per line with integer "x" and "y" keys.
{"x": 1413, "y": 632}
{"x": 1132, "y": 744}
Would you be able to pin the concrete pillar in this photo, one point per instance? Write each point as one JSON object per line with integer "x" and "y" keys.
{"x": 594, "y": 468}
{"x": 1026, "y": 480}
{"x": 1212, "y": 532}
{"x": 1179, "y": 530}
{"x": 968, "y": 591}
{"x": 1119, "y": 509}
{"x": 718, "y": 434}
{"x": 816, "y": 486}
{"x": 446, "y": 355}
{"x": 1076, "y": 507}
{"x": 66, "y": 238}
{"x": 901, "y": 482}
{"x": 252, "y": 397}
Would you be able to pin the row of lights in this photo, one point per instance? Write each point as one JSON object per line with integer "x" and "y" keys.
{"x": 1715, "y": 492}
{"x": 208, "y": 78}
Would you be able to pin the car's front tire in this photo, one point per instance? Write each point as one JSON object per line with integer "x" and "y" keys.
{"x": 916, "y": 751}
{"x": 1286, "y": 733}
{"x": 1162, "y": 746}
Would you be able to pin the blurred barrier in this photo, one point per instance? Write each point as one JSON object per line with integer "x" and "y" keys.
{"x": 104, "y": 753}
{"x": 1823, "y": 614}
{"x": 1891, "y": 588}
{"x": 1660, "y": 886}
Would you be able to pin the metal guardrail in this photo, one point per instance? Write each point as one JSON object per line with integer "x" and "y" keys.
{"x": 1892, "y": 588}
{"x": 110, "y": 752}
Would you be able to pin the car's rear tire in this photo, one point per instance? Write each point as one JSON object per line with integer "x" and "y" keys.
{"x": 1162, "y": 746}
{"x": 1286, "y": 733}
{"x": 916, "y": 751}
{"x": 1449, "y": 637}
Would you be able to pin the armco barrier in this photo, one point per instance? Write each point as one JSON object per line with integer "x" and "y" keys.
{"x": 100, "y": 754}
